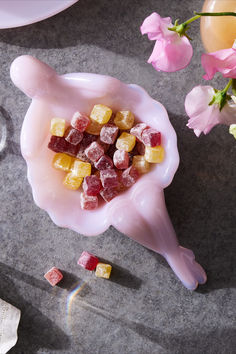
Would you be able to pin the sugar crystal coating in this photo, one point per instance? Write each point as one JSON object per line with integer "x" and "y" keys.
{"x": 154, "y": 154}
{"x": 104, "y": 163}
{"x": 108, "y": 194}
{"x": 88, "y": 202}
{"x": 53, "y": 276}
{"x": 80, "y": 168}
{"x": 57, "y": 127}
{"x": 72, "y": 181}
{"x": 80, "y": 121}
{"x": 141, "y": 164}
{"x": 92, "y": 185}
{"x": 124, "y": 120}
{"x": 62, "y": 162}
{"x": 94, "y": 151}
{"x": 109, "y": 133}
{"x": 138, "y": 129}
{"x": 109, "y": 178}
{"x": 121, "y": 159}
{"x": 103, "y": 270}
{"x": 151, "y": 137}
{"x": 88, "y": 260}
{"x": 59, "y": 144}
{"x": 101, "y": 113}
{"x": 73, "y": 136}
{"x": 126, "y": 142}
{"x": 129, "y": 176}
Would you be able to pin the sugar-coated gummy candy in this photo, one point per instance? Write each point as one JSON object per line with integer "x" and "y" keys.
{"x": 104, "y": 163}
{"x": 73, "y": 136}
{"x": 59, "y": 144}
{"x": 62, "y": 162}
{"x": 141, "y": 164}
{"x": 57, "y": 126}
{"x": 81, "y": 168}
{"x": 92, "y": 185}
{"x": 126, "y": 142}
{"x": 109, "y": 133}
{"x": 151, "y": 137}
{"x": 88, "y": 202}
{"x": 80, "y": 121}
{"x": 101, "y": 114}
{"x": 53, "y": 276}
{"x": 109, "y": 178}
{"x": 88, "y": 260}
{"x": 94, "y": 128}
{"x": 72, "y": 181}
{"x": 154, "y": 154}
{"x": 108, "y": 194}
{"x": 138, "y": 129}
{"x": 129, "y": 176}
{"x": 103, "y": 270}
{"x": 121, "y": 159}
{"x": 124, "y": 120}
{"x": 87, "y": 140}
{"x": 104, "y": 145}
{"x": 94, "y": 151}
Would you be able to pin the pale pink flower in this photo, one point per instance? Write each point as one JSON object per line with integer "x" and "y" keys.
{"x": 171, "y": 51}
{"x": 223, "y": 61}
{"x": 202, "y": 117}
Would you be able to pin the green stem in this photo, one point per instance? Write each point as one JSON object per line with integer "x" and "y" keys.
{"x": 215, "y": 13}
{"x": 228, "y": 86}
{"x": 192, "y": 19}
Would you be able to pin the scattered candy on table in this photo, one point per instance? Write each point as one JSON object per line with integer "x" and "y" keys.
{"x": 103, "y": 270}
{"x": 88, "y": 260}
{"x": 53, "y": 276}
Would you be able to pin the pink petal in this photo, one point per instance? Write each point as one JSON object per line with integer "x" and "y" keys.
{"x": 223, "y": 61}
{"x": 156, "y": 27}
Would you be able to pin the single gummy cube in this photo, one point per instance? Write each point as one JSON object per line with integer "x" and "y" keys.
{"x": 92, "y": 185}
{"x": 151, "y": 137}
{"x": 129, "y": 176}
{"x": 72, "y": 181}
{"x": 94, "y": 151}
{"x": 124, "y": 120}
{"x": 104, "y": 163}
{"x": 53, "y": 276}
{"x": 59, "y": 144}
{"x": 154, "y": 154}
{"x": 121, "y": 159}
{"x": 88, "y": 202}
{"x": 103, "y": 270}
{"x": 101, "y": 114}
{"x": 94, "y": 128}
{"x": 57, "y": 126}
{"x": 87, "y": 140}
{"x": 109, "y": 178}
{"x": 88, "y": 260}
{"x": 73, "y": 136}
{"x": 141, "y": 164}
{"x": 108, "y": 194}
{"x": 80, "y": 168}
{"x": 80, "y": 121}
{"x": 62, "y": 162}
{"x": 126, "y": 142}
{"x": 109, "y": 133}
{"x": 138, "y": 130}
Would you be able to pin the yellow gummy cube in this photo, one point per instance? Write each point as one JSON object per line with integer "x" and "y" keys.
{"x": 124, "y": 120}
{"x": 103, "y": 270}
{"x": 140, "y": 164}
{"x": 72, "y": 181}
{"x": 80, "y": 168}
{"x": 101, "y": 113}
{"x": 154, "y": 154}
{"x": 126, "y": 142}
{"x": 57, "y": 126}
{"x": 94, "y": 128}
{"x": 232, "y": 130}
{"x": 62, "y": 162}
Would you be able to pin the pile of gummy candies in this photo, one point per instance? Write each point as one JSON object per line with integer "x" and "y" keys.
{"x": 94, "y": 153}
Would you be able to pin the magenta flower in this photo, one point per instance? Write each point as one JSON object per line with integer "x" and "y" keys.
{"x": 202, "y": 116}
{"x": 223, "y": 61}
{"x": 171, "y": 52}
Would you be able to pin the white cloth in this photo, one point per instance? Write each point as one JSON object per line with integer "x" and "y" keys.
{"x": 9, "y": 320}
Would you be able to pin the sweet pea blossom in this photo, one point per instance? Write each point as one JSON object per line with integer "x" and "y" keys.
{"x": 202, "y": 116}
{"x": 171, "y": 52}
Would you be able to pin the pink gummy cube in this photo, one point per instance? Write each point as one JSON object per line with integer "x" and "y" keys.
{"x": 94, "y": 151}
{"x": 151, "y": 137}
{"x": 104, "y": 163}
{"x": 121, "y": 159}
{"x": 80, "y": 121}
{"x": 91, "y": 185}
{"x": 87, "y": 140}
{"x": 88, "y": 260}
{"x": 53, "y": 276}
{"x": 108, "y": 194}
{"x": 59, "y": 144}
{"x": 129, "y": 176}
{"x": 109, "y": 178}
{"x": 73, "y": 136}
{"x": 138, "y": 129}
{"x": 109, "y": 133}
{"x": 88, "y": 202}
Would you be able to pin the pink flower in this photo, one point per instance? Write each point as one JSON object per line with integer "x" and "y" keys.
{"x": 171, "y": 51}
{"x": 223, "y": 61}
{"x": 204, "y": 117}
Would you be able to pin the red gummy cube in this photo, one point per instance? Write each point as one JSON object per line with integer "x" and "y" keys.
{"x": 91, "y": 185}
{"x": 109, "y": 178}
{"x": 138, "y": 129}
{"x": 151, "y": 137}
{"x": 94, "y": 151}
{"x": 129, "y": 176}
{"x": 108, "y": 194}
{"x": 59, "y": 144}
{"x": 88, "y": 202}
{"x": 53, "y": 276}
{"x": 80, "y": 121}
{"x": 104, "y": 163}
{"x": 104, "y": 145}
{"x": 73, "y": 136}
{"x": 109, "y": 133}
{"x": 121, "y": 159}
{"x": 140, "y": 148}
{"x": 88, "y": 260}
{"x": 87, "y": 140}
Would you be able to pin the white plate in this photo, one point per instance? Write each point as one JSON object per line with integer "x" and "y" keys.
{"x": 16, "y": 13}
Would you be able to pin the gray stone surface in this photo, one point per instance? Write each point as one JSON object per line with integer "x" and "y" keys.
{"x": 143, "y": 308}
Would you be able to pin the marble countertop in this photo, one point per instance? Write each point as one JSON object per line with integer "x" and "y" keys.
{"x": 143, "y": 308}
